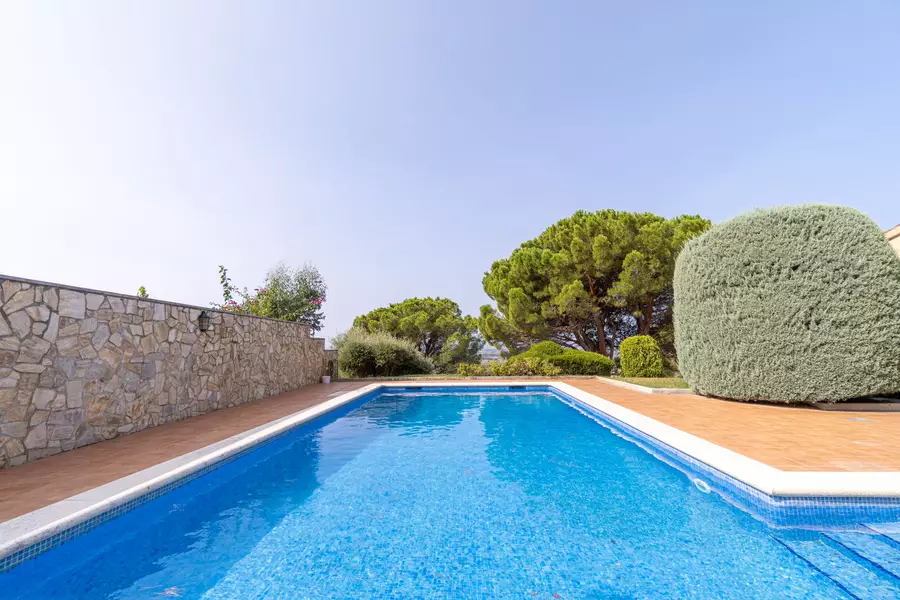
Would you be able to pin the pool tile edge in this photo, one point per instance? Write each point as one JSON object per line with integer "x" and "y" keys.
{"x": 763, "y": 477}
{"x": 23, "y": 533}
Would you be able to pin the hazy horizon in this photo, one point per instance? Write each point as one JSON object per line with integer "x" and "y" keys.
{"x": 402, "y": 147}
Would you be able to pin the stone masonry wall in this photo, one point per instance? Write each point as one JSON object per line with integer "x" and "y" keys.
{"x": 79, "y": 366}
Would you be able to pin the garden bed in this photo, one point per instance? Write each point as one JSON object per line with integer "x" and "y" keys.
{"x": 655, "y": 382}
{"x": 650, "y": 385}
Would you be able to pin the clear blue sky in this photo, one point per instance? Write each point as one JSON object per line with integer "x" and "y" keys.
{"x": 403, "y": 146}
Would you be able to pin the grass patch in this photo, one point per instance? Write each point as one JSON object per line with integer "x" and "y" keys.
{"x": 401, "y": 377}
{"x": 656, "y": 382}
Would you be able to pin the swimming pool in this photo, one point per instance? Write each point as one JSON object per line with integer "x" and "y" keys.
{"x": 467, "y": 493}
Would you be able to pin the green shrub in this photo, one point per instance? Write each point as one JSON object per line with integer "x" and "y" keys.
{"x": 568, "y": 362}
{"x": 640, "y": 356}
{"x": 524, "y": 367}
{"x": 362, "y": 354}
{"x": 472, "y": 370}
{"x": 579, "y": 362}
{"x": 792, "y": 304}
{"x": 357, "y": 359}
{"x": 542, "y": 350}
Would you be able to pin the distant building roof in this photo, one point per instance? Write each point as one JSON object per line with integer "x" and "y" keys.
{"x": 893, "y": 236}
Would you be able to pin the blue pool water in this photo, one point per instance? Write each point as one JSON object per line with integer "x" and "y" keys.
{"x": 453, "y": 495}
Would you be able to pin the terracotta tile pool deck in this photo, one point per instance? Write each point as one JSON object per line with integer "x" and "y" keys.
{"x": 787, "y": 438}
{"x": 790, "y": 439}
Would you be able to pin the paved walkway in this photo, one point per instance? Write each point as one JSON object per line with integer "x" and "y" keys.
{"x": 791, "y": 439}
{"x": 787, "y": 438}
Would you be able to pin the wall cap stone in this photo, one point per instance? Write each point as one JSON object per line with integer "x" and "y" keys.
{"x": 85, "y": 290}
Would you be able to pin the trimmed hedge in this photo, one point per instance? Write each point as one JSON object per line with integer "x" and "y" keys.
{"x": 640, "y": 356}
{"x": 568, "y": 362}
{"x": 472, "y": 370}
{"x": 362, "y": 354}
{"x": 528, "y": 365}
{"x": 542, "y": 350}
{"x": 792, "y": 304}
{"x": 579, "y": 362}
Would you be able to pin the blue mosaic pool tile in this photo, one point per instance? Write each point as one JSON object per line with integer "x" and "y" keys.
{"x": 778, "y": 511}
{"x": 499, "y": 496}
{"x": 11, "y": 560}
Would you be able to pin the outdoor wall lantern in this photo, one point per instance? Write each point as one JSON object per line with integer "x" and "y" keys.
{"x": 203, "y": 320}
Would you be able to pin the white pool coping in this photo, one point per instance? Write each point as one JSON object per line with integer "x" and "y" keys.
{"x": 24, "y": 531}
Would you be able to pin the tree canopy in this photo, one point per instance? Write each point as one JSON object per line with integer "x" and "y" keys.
{"x": 435, "y": 325}
{"x": 588, "y": 281}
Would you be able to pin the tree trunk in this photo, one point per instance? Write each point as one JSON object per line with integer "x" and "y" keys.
{"x": 613, "y": 331}
{"x": 600, "y": 324}
{"x": 583, "y": 340}
{"x": 646, "y": 319}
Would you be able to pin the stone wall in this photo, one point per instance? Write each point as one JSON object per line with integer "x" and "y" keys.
{"x": 80, "y": 366}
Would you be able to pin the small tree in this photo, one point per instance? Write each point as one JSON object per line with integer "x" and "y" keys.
{"x": 294, "y": 295}
{"x": 435, "y": 325}
{"x": 289, "y": 294}
{"x": 142, "y": 292}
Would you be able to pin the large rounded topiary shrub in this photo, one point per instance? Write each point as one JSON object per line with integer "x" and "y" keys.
{"x": 791, "y": 304}
{"x": 640, "y": 356}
